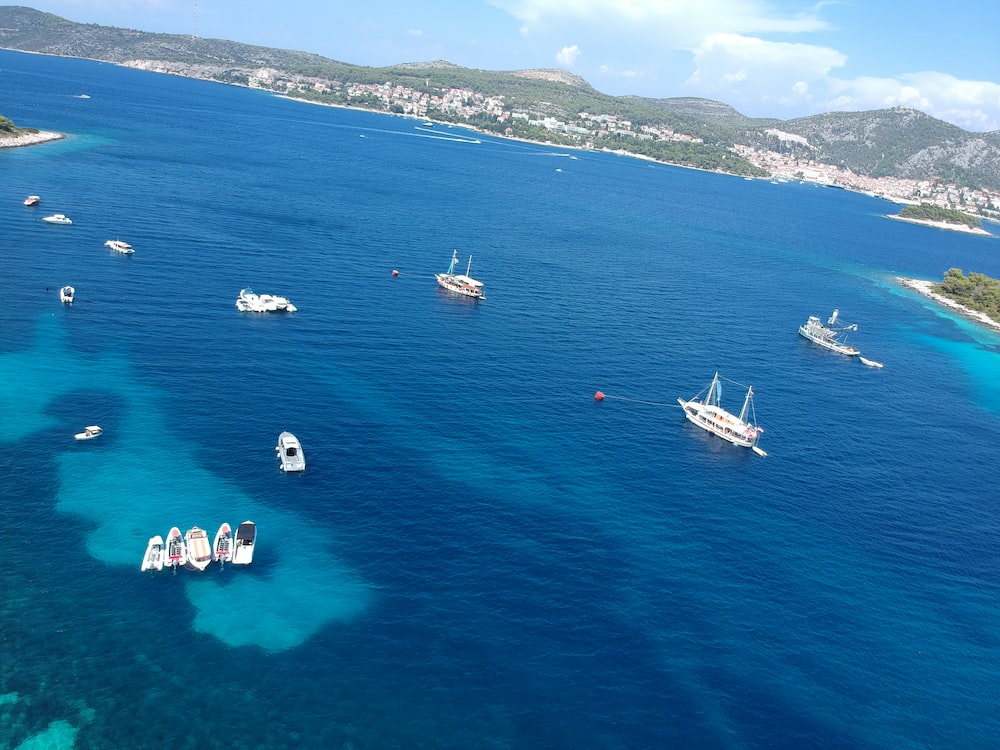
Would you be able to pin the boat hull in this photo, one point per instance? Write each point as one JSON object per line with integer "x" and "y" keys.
{"x": 719, "y": 422}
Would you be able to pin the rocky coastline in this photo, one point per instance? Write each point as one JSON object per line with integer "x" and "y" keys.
{"x": 926, "y": 288}
{"x": 29, "y": 139}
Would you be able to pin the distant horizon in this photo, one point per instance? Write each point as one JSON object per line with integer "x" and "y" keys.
{"x": 781, "y": 59}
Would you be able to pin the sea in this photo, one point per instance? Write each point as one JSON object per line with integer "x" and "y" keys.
{"x": 480, "y": 553}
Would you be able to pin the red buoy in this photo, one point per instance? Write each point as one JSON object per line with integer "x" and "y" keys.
{"x": 395, "y": 272}
{"x": 599, "y": 396}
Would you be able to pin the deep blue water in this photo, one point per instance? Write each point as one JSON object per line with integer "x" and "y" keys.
{"x": 479, "y": 554}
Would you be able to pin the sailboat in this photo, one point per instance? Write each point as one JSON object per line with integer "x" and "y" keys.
{"x": 460, "y": 283}
{"x": 709, "y": 415}
{"x": 831, "y": 336}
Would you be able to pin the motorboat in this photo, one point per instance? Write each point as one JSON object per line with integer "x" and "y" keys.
{"x": 176, "y": 551}
{"x": 32, "y": 200}
{"x": 120, "y": 246}
{"x": 66, "y": 294}
{"x": 153, "y": 559}
{"x": 709, "y": 415}
{"x": 460, "y": 283}
{"x": 222, "y": 547}
{"x": 249, "y": 301}
{"x": 89, "y": 432}
{"x": 830, "y": 336}
{"x": 290, "y": 453}
{"x": 246, "y": 536}
{"x": 57, "y": 219}
{"x": 199, "y": 551}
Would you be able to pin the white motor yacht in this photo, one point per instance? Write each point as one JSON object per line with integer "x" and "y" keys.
{"x": 57, "y": 219}
{"x": 246, "y": 536}
{"x": 66, "y": 294}
{"x": 290, "y": 453}
{"x": 120, "y": 246}
{"x": 89, "y": 432}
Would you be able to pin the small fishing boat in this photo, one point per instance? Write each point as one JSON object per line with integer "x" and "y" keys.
{"x": 66, "y": 294}
{"x": 831, "y": 336}
{"x": 153, "y": 559}
{"x": 290, "y": 453}
{"x": 199, "y": 551}
{"x": 176, "y": 551}
{"x": 32, "y": 200}
{"x": 460, "y": 283}
{"x": 246, "y": 536}
{"x": 709, "y": 415}
{"x": 89, "y": 432}
{"x": 57, "y": 219}
{"x": 222, "y": 547}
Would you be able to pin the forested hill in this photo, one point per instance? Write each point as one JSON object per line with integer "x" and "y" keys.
{"x": 898, "y": 142}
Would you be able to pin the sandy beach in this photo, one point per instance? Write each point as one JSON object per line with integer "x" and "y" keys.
{"x": 30, "y": 139}
{"x": 925, "y": 288}
{"x": 942, "y": 225}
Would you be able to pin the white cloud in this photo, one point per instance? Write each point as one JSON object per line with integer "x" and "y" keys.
{"x": 568, "y": 55}
{"x": 415, "y": 32}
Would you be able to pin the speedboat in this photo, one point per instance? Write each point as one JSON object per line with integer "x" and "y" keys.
{"x": 66, "y": 294}
{"x": 176, "y": 551}
{"x": 249, "y": 301}
{"x": 460, "y": 283}
{"x": 831, "y": 336}
{"x": 120, "y": 246}
{"x": 290, "y": 453}
{"x": 246, "y": 535}
{"x": 89, "y": 432}
{"x": 153, "y": 559}
{"x": 199, "y": 551}
{"x": 32, "y": 200}
{"x": 222, "y": 547}
{"x": 709, "y": 415}
{"x": 57, "y": 219}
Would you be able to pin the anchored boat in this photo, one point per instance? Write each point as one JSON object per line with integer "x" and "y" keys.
{"x": 831, "y": 336}
{"x": 709, "y": 415}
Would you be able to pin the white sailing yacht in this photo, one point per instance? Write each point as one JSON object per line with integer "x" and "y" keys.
{"x": 460, "y": 283}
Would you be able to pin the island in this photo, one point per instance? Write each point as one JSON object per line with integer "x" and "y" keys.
{"x": 941, "y": 218}
{"x": 12, "y": 136}
{"x": 975, "y": 296}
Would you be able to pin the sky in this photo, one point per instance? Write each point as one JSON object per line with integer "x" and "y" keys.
{"x": 766, "y": 58}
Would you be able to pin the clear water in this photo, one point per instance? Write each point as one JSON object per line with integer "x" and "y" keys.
{"x": 479, "y": 554}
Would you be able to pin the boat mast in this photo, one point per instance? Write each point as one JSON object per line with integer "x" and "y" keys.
{"x": 468, "y": 267}
{"x": 712, "y": 397}
{"x": 746, "y": 403}
{"x": 454, "y": 260}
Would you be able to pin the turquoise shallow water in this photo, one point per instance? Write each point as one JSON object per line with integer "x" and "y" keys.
{"x": 478, "y": 554}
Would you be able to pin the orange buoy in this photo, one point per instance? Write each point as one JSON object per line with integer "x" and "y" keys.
{"x": 395, "y": 272}
{"x": 599, "y": 396}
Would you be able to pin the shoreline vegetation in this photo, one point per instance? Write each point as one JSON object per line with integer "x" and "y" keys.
{"x": 12, "y": 136}
{"x": 982, "y": 292}
{"x": 941, "y": 218}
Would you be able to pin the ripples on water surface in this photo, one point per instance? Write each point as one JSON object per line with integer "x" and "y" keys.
{"x": 479, "y": 554}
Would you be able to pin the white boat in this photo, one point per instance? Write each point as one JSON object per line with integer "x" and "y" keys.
{"x": 246, "y": 536}
{"x": 89, "y": 432}
{"x": 831, "y": 336}
{"x": 32, "y": 200}
{"x": 249, "y": 301}
{"x": 199, "y": 551}
{"x": 222, "y": 547}
{"x": 153, "y": 559}
{"x": 708, "y": 414}
{"x": 120, "y": 246}
{"x": 66, "y": 294}
{"x": 176, "y": 551}
{"x": 460, "y": 283}
{"x": 290, "y": 453}
{"x": 870, "y": 362}
{"x": 57, "y": 219}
